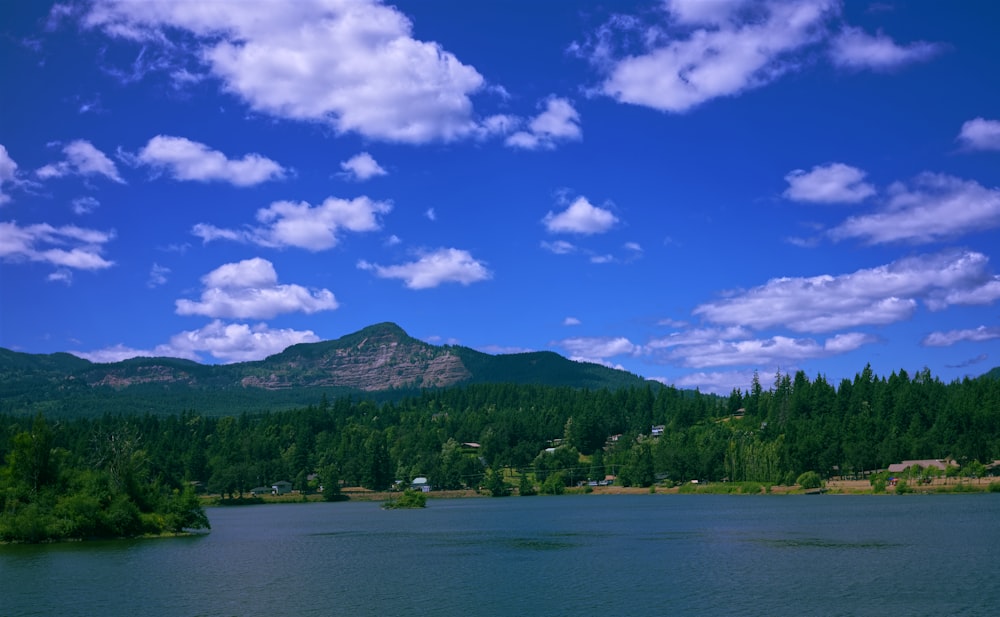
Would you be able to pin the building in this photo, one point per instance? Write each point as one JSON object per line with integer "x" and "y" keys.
{"x": 923, "y": 463}
{"x": 281, "y": 487}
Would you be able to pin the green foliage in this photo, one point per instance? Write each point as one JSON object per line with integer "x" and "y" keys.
{"x": 555, "y": 484}
{"x": 994, "y": 487}
{"x": 49, "y": 495}
{"x": 494, "y": 483}
{"x": 809, "y": 480}
{"x": 409, "y": 499}
{"x": 902, "y": 488}
{"x": 525, "y": 487}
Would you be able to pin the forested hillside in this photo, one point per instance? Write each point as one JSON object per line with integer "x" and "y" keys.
{"x": 457, "y": 436}
{"x": 380, "y": 362}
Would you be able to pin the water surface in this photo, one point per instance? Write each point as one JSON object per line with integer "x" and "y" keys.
{"x": 571, "y": 555}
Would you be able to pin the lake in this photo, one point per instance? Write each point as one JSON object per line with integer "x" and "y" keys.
{"x": 573, "y": 555}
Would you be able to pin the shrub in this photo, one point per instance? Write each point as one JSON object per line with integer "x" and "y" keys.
{"x": 902, "y": 488}
{"x": 994, "y": 487}
{"x": 809, "y": 480}
{"x": 409, "y": 499}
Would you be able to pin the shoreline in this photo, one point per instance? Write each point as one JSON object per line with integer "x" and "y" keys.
{"x": 939, "y": 486}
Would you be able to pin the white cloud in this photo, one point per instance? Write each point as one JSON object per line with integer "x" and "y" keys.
{"x": 598, "y": 349}
{"x": 85, "y": 205}
{"x": 723, "y": 58}
{"x": 571, "y": 321}
{"x": 935, "y": 207}
{"x": 774, "y": 350}
{"x": 875, "y": 296}
{"x": 82, "y": 159}
{"x": 8, "y": 173}
{"x": 225, "y": 342}
{"x": 238, "y": 342}
{"x": 698, "y": 336}
{"x": 184, "y": 159}
{"x": 434, "y": 269}
{"x": 980, "y": 134}
{"x": 558, "y": 123}
{"x": 581, "y": 217}
{"x": 362, "y": 167}
{"x": 62, "y": 275}
{"x": 157, "y": 276}
{"x": 854, "y": 48}
{"x": 832, "y": 183}
{"x": 299, "y": 224}
{"x": 430, "y": 214}
{"x": 951, "y": 337}
{"x": 353, "y": 65}
{"x": 249, "y": 289}
{"x": 68, "y": 246}
{"x": 559, "y": 247}
{"x": 702, "y": 11}
{"x": 715, "y": 382}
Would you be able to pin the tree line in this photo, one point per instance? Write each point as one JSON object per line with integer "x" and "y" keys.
{"x": 460, "y": 437}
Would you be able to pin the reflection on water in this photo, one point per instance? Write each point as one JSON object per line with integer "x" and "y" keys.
{"x": 571, "y": 555}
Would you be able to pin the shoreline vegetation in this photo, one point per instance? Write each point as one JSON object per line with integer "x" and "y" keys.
{"x": 939, "y": 486}
{"x": 132, "y": 475}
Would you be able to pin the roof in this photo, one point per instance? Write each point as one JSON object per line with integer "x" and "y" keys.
{"x": 927, "y": 462}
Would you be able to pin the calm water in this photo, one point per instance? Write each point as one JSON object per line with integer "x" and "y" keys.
{"x": 572, "y": 555}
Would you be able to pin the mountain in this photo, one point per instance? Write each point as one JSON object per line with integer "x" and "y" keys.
{"x": 380, "y": 361}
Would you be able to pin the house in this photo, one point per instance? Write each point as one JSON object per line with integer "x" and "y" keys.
{"x": 657, "y": 430}
{"x": 421, "y": 484}
{"x": 281, "y": 487}
{"x": 924, "y": 463}
{"x": 261, "y": 490}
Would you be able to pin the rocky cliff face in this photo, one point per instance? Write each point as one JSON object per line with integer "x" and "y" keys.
{"x": 377, "y": 358}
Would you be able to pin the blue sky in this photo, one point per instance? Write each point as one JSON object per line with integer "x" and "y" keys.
{"x": 691, "y": 190}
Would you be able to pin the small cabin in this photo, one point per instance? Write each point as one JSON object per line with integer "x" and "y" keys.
{"x": 281, "y": 487}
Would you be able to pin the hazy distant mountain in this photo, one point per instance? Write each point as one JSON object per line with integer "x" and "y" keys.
{"x": 378, "y": 359}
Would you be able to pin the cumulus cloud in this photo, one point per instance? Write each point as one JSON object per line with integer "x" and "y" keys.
{"x": 362, "y": 167}
{"x": 433, "y": 269}
{"x": 598, "y": 349}
{"x": 774, "y": 350}
{"x": 184, "y": 159}
{"x": 227, "y": 342}
{"x": 8, "y": 173}
{"x": 716, "y": 53}
{"x": 980, "y": 134}
{"x": 299, "y": 224}
{"x": 949, "y": 338}
{"x": 236, "y": 342}
{"x": 68, "y": 246}
{"x": 82, "y": 159}
{"x": 854, "y": 48}
{"x": 249, "y": 289}
{"x": 353, "y": 65}
{"x": 832, "y": 183}
{"x": 874, "y": 296}
{"x": 571, "y": 321}
{"x": 933, "y": 207}
{"x": 581, "y": 217}
{"x": 699, "y": 50}
{"x": 558, "y": 123}
{"x": 715, "y": 382}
